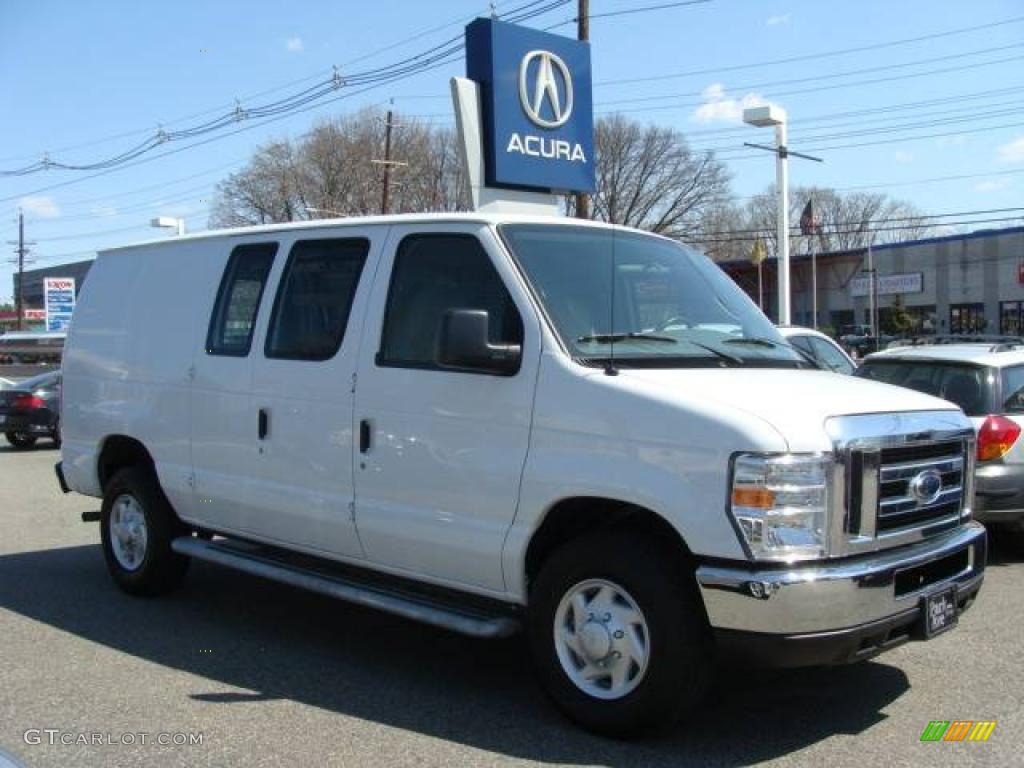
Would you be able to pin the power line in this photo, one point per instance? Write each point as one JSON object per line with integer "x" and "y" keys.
{"x": 317, "y": 75}
{"x": 829, "y": 76}
{"x": 813, "y": 56}
{"x": 804, "y": 139}
{"x": 753, "y": 234}
{"x": 290, "y": 104}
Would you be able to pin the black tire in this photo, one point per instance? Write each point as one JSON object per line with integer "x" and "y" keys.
{"x": 161, "y": 570}
{"x": 1013, "y": 534}
{"x": 56, "y": 435}
{"x": 20, "y": 440}
{"x": 681, "y": 654}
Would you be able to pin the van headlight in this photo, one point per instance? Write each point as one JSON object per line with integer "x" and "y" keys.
{"x": 780, "y": 504}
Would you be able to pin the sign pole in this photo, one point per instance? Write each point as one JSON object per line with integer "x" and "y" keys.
{"x": 814, "y": 287}
{"x": 583, "y": 34}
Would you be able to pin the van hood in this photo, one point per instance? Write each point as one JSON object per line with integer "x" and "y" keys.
{"x": 797, "y": 403}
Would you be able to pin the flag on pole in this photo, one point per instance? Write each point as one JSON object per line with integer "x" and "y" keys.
{"x": 758, "y": 253}
{"x": 809, "y": 223}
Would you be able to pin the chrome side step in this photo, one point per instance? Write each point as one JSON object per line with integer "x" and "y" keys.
{"x": 422, "y": 608}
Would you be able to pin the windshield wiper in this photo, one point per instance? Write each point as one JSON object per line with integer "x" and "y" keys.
{"x": 717, "y": 352}
{"x": 611, "y": 338}
{"x": 762, "y": 342}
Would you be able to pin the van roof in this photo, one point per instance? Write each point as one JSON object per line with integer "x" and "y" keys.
{"x": 358, "y": 221}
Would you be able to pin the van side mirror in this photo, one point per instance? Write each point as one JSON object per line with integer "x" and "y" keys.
{"x": 464, "y": 345}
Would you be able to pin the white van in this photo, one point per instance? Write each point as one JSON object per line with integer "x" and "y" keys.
{"x": 486, "y": 422}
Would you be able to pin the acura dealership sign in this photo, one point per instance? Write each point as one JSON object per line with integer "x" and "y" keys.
{"x": 537, "y": 105}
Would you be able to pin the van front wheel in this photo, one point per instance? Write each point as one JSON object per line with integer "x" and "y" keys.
{"x": 620, "y": 643}
{"x": 137, "y": 525}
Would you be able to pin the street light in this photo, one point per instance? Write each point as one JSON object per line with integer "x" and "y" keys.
{"x": 762, "y": 117}
{"x": 168, "y": 222}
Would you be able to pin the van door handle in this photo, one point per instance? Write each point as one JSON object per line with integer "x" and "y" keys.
{"x": 264, "y": 423}
{"x": 364, "y": 436}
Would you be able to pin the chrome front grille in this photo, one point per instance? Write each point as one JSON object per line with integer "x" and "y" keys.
{"x": 904, "y": 477}
{"x": 899, "y": 507}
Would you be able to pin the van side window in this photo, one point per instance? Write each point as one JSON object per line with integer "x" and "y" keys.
{"x": 238, "y": 299}
{"x": 315, "y": 298}
{"x": 433, "y": 274}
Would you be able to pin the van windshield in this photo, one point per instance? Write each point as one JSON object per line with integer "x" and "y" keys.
{"x": 673, "y": 307}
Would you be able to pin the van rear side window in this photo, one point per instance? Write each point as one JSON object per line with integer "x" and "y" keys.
{"x": 238, "y": 299}
{"x": 315, "y": 298}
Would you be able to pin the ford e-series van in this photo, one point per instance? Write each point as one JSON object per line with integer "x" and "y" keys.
{"x": 492, "y": 422}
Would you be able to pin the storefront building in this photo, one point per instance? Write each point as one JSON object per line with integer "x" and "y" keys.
{"x": 968, "y": 283}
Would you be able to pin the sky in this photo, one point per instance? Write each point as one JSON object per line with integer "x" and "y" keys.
{"x": 920, "y": 100}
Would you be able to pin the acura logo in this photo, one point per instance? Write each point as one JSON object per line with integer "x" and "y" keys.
{"x": 926, "y": 486}
{"x": 552, "y": 84}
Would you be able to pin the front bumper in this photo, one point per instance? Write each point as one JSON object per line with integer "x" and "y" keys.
{"x": 999, "y": 492}
{"x": 838, "y": 612}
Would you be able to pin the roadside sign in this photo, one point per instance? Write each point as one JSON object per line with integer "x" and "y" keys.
{"x": 34, "y": 314}
{"x": 59, "y": 298}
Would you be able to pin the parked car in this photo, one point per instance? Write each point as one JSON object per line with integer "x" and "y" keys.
{"x": 986, "y": 380}
{"x": 454, "y": 407}
{"x": 859, "y": 340}
{"x": 31, "y": 409}
{"x": 821, "y": 348}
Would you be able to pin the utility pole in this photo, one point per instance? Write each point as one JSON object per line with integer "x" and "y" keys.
{"x": 21, "y": 250}
{"x": 21, "y": 266}
{"x": 387, "y": 164}
{"x": 583, "y": 33}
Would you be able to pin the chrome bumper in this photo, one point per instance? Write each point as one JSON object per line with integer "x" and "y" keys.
{"x": 826, "y": 598}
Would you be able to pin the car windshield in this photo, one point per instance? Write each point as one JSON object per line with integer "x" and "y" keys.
{"x": 672, "y": 306}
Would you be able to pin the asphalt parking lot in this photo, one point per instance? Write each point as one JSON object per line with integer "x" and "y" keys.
{"x": 272, "y": 676}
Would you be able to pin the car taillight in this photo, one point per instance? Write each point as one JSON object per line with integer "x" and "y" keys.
{"x": 27, "y": 402}
{"x": 996, "y": 437}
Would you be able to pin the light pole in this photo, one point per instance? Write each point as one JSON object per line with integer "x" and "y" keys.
{"x": 168, "y": 222}
{"x": 762, "y": 117}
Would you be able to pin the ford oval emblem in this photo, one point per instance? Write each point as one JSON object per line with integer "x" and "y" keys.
{"x": 926, "y": 486}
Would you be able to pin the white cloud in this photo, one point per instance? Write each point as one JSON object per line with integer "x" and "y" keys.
{"x": 776, "y": 20}
{"x": 42, "y": 206}
{"x": 1012, "y": 152}
{"x": 103, "y": 211}
{"x": 294, "y": 45}
{"x": 903, "y": 157}
{"x": 718, "y": 107}
{"x": 992, "y": 185}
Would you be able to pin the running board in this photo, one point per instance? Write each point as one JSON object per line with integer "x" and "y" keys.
{"x": 423, "y": 608}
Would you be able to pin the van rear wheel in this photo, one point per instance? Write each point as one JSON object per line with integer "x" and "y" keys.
{"x": 620, "y": 641}
{"x": 137, "y": 526}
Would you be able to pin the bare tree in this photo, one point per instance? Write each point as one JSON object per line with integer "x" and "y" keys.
{"x": 265, "y": 191}
{"x": 647, "y": 177}
{"x": 332, "y": 168}
{"x": 848, "y": 221}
